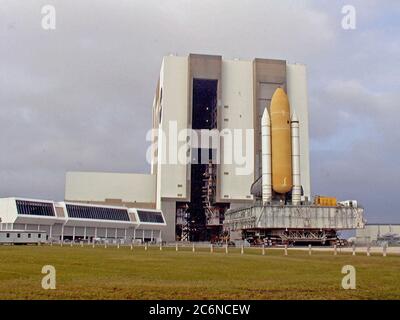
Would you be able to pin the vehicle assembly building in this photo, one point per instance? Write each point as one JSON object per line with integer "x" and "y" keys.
{"x": 202, "y": 93}
{"x": 266, "y": 193}
{"x": 229, "y": 155}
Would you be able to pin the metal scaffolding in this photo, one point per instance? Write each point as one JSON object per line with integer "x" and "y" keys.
{"x": 209, "y": 189}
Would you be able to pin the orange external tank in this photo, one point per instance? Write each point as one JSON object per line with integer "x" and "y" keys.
{"x": 281, "y": 144}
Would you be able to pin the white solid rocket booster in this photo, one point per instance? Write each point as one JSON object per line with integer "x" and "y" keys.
{"x": 266, "y": 157}
{"x": 296, "y": 191}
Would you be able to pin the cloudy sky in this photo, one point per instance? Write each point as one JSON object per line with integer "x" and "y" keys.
{"x": 79, "y": 97}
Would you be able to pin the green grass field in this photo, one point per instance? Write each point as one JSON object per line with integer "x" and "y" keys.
{"x": 99, "y": 273}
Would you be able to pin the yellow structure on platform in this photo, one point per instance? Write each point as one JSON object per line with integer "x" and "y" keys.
{"x": 281, "y": 142}
{"x": 325, "y": 201}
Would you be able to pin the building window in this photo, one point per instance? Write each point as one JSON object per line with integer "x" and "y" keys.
{"x": 29, "y": 235}
{"x": 8, "y": 235}
{"x": 35, "y": 208}
{"x": 18, "y": 235}
{"x": 39, "y": 235}
{"x": 97, "y": 213}
{"x": 150, "y": 216}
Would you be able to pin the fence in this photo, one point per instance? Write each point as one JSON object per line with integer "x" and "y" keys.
{"x": 238, "y": 249}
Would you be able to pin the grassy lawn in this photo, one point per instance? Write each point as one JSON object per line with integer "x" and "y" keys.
{"x": 99, "y": 273}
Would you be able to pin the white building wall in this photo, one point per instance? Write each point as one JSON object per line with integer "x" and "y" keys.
{"x": 23, "y": 237}
{"x": 158, "y": 139}
{"x": 237, "y": 114}
{"x": 172, "y": 174}
{"x": 96, "y": 186}
{"x": 296, "y": 79}
{"x": 8, "y": 210}
{"x": 372, "y": 232}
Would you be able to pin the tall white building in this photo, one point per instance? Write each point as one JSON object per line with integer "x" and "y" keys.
{"x": 225, "y": 100}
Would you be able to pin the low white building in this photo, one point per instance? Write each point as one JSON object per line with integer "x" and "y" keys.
{"x": 379, "y": 233}
{"x": 22, "y": 237}
{"x": 78, "y": 221}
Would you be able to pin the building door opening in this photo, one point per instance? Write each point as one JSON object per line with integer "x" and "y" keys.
{"x": 204, "y": 117}
{"x": 204, "y": 104}
{"x": 200, "y": 220}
